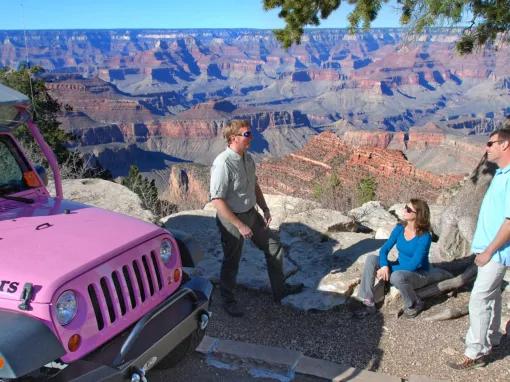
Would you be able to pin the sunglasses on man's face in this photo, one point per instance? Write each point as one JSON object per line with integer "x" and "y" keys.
{"x": 246, "y": 134}
{"x": 490, "y": 143}
{"x": 409, "y": 209}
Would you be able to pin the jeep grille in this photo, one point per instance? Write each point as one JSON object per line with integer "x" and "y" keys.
{"x": 125, "y": 289}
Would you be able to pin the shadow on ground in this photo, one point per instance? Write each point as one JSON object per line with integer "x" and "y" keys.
{"x": 331, "y": 335}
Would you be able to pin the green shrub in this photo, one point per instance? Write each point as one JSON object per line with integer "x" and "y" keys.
{"x": 366, "y": 189}
{"x": 148, "y": 193}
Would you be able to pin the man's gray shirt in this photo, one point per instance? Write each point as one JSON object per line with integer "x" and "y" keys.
{"x": 233, "y": 179}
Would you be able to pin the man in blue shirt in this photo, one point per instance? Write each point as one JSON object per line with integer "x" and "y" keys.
{"x": 491, "y": 244}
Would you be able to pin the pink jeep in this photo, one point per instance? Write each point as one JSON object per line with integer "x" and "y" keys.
{"x": 85, "y": 294}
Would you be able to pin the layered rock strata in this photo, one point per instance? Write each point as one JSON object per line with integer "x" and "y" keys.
{"x": 326, "y": 155}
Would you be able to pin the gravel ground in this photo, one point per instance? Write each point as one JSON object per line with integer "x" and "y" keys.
{"x": 383, "y": 343}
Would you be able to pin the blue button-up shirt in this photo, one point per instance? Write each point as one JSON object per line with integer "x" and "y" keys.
{"x": 493, "y": 212}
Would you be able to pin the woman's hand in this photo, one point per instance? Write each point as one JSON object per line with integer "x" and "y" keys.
{"x": 383, "y": 273}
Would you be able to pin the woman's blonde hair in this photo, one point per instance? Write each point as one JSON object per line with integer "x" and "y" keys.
{"x": 422, "y": 223}
{"x": 233, "y": 127}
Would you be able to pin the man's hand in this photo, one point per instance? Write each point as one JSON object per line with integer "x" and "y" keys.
{"x": 383, "y": 273}
{"x": 245, "y": 231}
{"x": 482, "y": 258}
{"x": 267, "y": 217}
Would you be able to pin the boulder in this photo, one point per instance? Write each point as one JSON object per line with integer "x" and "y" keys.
{"x": 374, "y": 217}
{"x": 105, "y": 194}
{"x": 458, "y": 220}
{"x": 282, "y": 206}
{"x": 201, "y": 224}
{"x": 315, "y": 225}
{"x": 327, "y": 261}
{"x": 321, "y": 253}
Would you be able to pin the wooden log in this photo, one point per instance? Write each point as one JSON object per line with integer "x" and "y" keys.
{"x": 448, "y": 314}
{"x": 442, "y": 287}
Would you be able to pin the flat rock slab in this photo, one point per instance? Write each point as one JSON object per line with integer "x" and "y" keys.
{"x": 336, "y": 372}
{"x": 104, "y": 194}
{"x": 373, "y": 215}
{"x": 201, "y": 225}
{"x": 421, "y": 378}
{"x": 281, "y": 364}
{"x": 315, "y": 225}
{"x": 327, "y": 261}
{"x": 321, "y": 252}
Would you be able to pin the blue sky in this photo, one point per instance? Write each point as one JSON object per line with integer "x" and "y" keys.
{"x": 108, "y": 14}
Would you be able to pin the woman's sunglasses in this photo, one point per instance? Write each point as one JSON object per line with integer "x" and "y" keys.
{"x": 246, "y": 134}
{"x": 409, "y": 209}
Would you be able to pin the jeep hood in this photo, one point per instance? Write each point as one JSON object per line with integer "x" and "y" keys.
{"x": 52, "y": 241}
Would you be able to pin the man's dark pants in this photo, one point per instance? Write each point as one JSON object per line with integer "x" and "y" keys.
{"x": 232, "y": 242}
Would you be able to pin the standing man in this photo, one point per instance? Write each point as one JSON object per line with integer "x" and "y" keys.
{"x": 234, "y": 194}
{"x": 491, "y": 244}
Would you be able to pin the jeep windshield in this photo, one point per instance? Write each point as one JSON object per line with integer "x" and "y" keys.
{"x": 14, "y": 170}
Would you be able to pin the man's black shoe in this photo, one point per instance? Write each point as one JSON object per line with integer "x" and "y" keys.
{"x": 288, "y": 290}
{"x": 233, "y": 308}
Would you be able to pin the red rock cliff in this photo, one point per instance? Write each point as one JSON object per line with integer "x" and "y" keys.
{"x": 325, "y": 154}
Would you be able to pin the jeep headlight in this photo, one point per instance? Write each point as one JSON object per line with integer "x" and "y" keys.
{"x": 66, "y": 307}
{"x": 165, "y": 251}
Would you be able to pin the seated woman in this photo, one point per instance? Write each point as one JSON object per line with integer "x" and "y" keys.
{"x": 409, "y": 271}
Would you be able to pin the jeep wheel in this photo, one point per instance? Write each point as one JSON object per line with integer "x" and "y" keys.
{"x": 182, "y": 350}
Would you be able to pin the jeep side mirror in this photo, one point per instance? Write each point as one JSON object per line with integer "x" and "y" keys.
{"x": 41, "y": 171}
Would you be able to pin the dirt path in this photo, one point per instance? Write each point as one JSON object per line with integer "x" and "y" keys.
{"x": 383, "y": 343}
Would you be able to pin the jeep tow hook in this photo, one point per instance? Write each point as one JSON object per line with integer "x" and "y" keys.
{"x": 204, "y": 320}
{"x": 138, "y": 375}
{"x": 26, "y": 296}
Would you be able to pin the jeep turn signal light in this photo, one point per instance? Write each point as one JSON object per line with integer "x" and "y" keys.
{"x": 31, "y": 179}
{"x": 177, "y": 274}
{"x": 74, "y": 342}
{"x": 2, "y": 362}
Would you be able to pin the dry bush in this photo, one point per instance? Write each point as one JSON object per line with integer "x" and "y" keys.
{"x": 75, "y": 166}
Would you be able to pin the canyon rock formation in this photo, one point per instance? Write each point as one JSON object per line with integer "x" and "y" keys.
{"x": 171, "y": 91}
{"x": 306, "y": 173}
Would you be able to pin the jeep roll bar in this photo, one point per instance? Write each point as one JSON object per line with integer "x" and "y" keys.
{"x": 50, "y": 156}
{"x": 15, "y": 111}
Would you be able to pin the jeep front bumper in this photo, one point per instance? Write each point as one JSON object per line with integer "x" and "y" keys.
{"x": 149, "y": 340}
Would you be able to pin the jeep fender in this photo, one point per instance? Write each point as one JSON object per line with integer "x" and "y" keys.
{"x": 191, "y": 253}
{"x": 26, "y": 344}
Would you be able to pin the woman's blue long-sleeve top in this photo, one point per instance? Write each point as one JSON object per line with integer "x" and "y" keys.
{"x": 413, "y": 254}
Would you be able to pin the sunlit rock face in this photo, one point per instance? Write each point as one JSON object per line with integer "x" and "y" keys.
{"x": 327, "y": 157}
{"x": 323, "y": 252}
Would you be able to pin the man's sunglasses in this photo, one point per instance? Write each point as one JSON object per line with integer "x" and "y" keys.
{"x": 246, "y": 134}
{"x": 409, "y": 209}
{"x": 490, "y": 143}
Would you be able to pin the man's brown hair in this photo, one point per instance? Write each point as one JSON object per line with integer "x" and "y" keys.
{"x": 504, "y": 131}
{"x": 233, "y": 127}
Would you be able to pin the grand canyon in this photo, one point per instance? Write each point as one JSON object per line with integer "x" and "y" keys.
{"x": 378, "y": 104}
